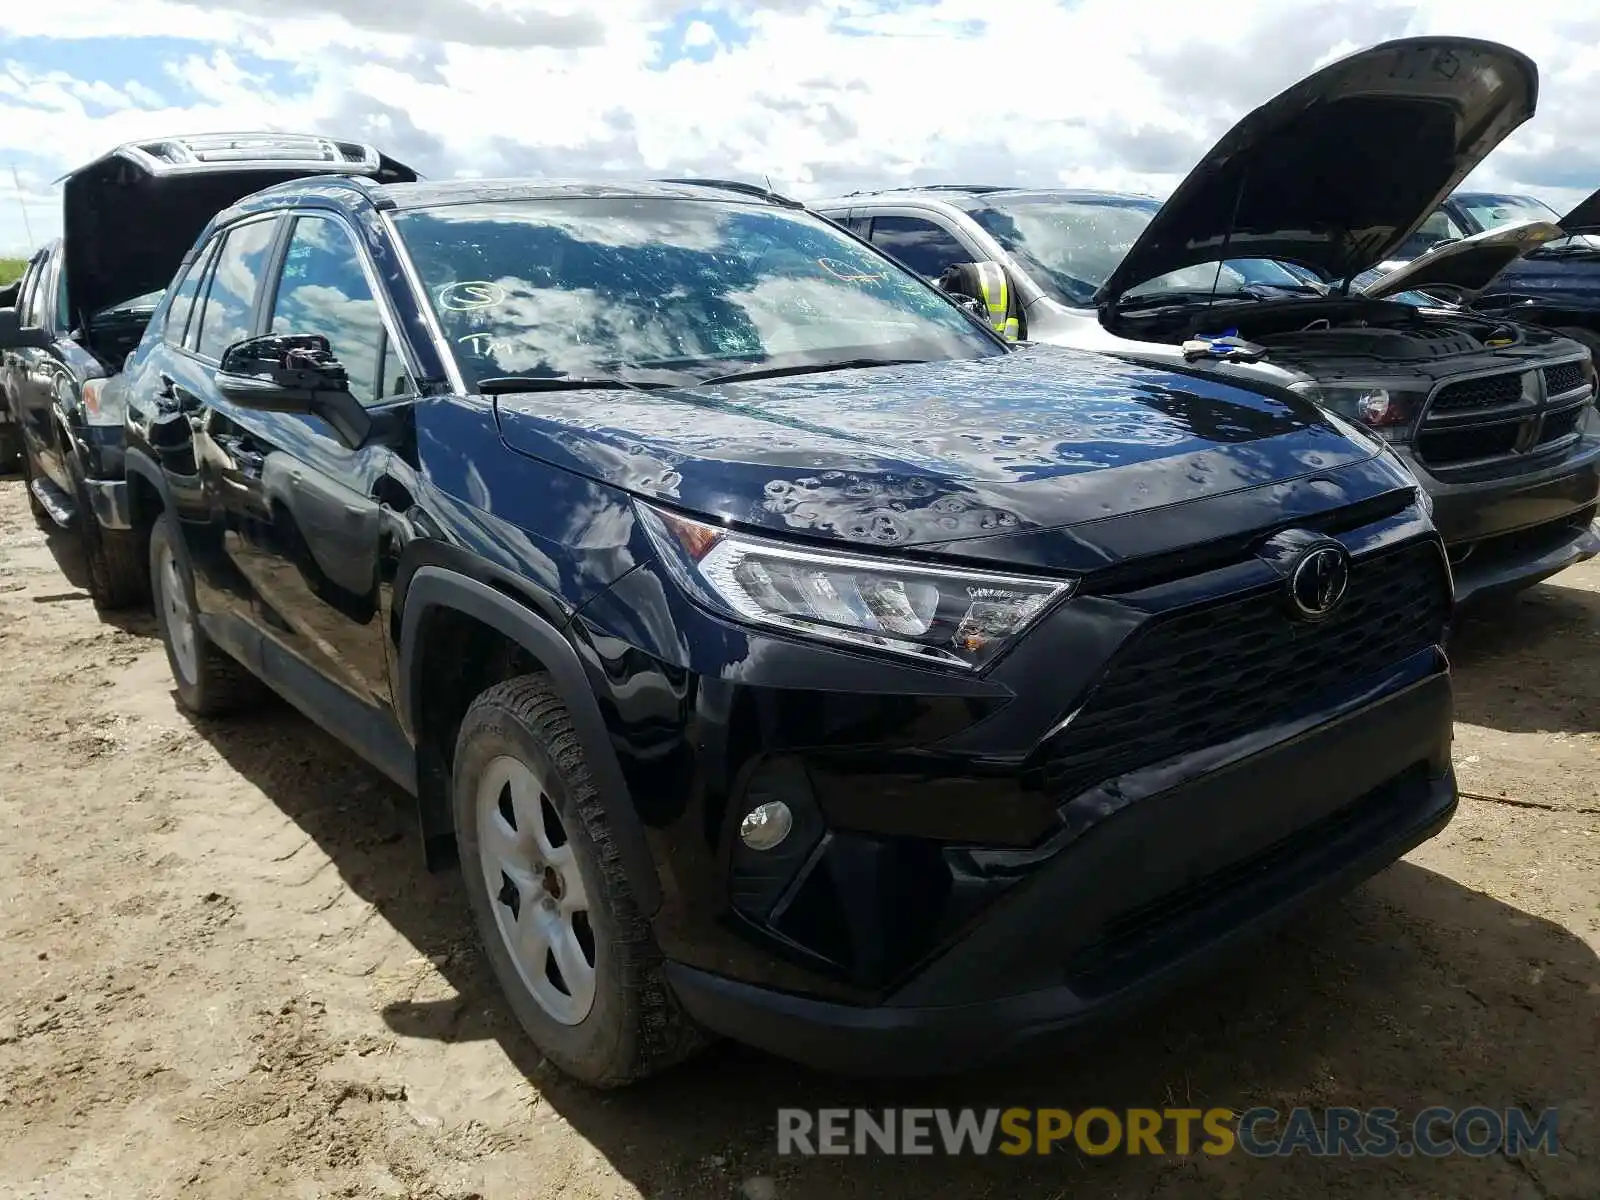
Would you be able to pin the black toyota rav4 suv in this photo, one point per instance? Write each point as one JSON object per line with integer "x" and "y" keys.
{"x": 784, "y": 655}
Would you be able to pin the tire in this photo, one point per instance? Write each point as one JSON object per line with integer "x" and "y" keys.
{"x": 10, "y": 448}
{"x": 518, "y": 755}
{"x": 117, "y": 560}
{"x": 41, "y": 517}
{"x": 209, "y": 683}
{"x": 1577, "y": 333}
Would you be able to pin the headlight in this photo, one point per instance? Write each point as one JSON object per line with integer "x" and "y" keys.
{"x": 936, "y": 613}
{"x": 1389, "y": 412}
{"x": 102, "y": 404}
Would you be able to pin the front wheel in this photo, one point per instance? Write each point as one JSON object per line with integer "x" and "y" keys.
{"x": 41, "y": 517}
{"x": 563, "y": 933}
{"x": 116, "y": 559}
{"x": 208, "y": 682}
{"x": 10, "y": 447}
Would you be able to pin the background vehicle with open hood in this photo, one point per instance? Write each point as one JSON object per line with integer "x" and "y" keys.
{"x": 1242, "y": 274}
{"x": 128, "y": 220}
{"x": 1555, "y": 283}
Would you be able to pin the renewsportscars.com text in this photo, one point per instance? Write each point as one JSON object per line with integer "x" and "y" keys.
{"x": 1477, "y": 1131}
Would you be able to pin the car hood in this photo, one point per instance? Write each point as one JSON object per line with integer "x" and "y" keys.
{"x": 936, "y": 452}
{"x": 1468, "y": 265}
{"x": 127, "y": 228}
{"x": 1336, "y": 171}
{"x": 1585, "y": 216}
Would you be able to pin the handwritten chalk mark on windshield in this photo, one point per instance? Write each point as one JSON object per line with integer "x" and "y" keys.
{"x": 485, "y": 344}
{"x": 846, "y": 272}
{"x": 470, "y": 294}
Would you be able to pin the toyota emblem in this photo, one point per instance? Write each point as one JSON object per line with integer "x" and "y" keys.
{"x": 1318, "y": 581}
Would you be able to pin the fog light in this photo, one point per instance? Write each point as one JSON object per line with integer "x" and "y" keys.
{"x": 766, "y": 825}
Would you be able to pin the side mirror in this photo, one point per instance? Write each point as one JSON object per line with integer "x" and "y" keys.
{"x": 296, "y": 373}
{"x": 963, "y": 283}
{"x": 959, "y": 282}
{"x": 972, "y": 306}
{"x": 14, "y": 337}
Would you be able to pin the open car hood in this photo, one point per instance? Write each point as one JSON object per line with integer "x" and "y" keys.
{"x": 1336, "y": 171}
{"x": 1585, "y": 218}
{"x": 129, "y": 217}
{"x": 1466, "y": 266}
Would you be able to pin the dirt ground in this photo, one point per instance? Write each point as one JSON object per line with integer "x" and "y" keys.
{"x": 227, "y": 975}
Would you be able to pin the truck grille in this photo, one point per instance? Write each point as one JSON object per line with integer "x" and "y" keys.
{"x": 1488, "y": 392}
{"x": 1476, "y": 421}
{"x": 1200, "y": 677}
{"x": 1563, "y": 377}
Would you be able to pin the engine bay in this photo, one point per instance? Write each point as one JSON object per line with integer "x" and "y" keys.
{"x": 1333, "y": 326}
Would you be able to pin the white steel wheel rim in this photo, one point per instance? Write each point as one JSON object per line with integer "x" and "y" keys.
{"x": 541, "y": 910}
{"x": 175, "y": 615}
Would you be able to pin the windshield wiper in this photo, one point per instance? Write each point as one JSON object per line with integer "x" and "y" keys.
{"x": 847, "y": 364}
{"x": 500, "y": 385}
{"x": 1156, "y": 299}
{"x": 1566, "y": 252}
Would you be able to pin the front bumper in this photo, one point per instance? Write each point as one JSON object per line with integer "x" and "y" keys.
{"x": 1509, "y": 533}
{"x": 1155, "y": 885}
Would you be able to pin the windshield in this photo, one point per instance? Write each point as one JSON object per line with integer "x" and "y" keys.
{"x": 143, "y": 305}
{"x": 1493, "y": 211}
{"x": 1071, "y": 246}
{"x": 593, "y": 288}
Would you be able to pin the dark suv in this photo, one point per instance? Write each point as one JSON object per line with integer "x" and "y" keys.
{"x": 127, "y": 219}
{"x": 784, "y": 654}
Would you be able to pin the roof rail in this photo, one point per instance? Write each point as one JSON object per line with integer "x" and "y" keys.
{"x": 746, "y": 189}
{"x": 251, "y": 150}
{"x": 976, "y": 189}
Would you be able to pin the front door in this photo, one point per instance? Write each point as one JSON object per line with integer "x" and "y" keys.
{"x": 302, "y": 523}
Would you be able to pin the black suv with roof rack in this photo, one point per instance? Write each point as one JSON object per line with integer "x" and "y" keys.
{"x": 128, "y": 218}
{"x": 785, "y": 654}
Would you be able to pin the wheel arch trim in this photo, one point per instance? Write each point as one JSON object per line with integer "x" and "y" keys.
{"x": 432, "y": 587}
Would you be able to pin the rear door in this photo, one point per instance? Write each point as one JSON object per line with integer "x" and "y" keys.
{"x": 214, "y": 304}
{"x": 28, "y": 378}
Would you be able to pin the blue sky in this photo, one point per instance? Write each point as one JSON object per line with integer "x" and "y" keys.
{"x": 818, "y": 95}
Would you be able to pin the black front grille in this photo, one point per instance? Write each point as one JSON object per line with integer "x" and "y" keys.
{"x": 1450, "y": 447}
{"x": 1200, "y": 677}
{"x": 1491, "y": 391}
{"x": 1563, "y": 377}
{"x": 1561, "y": 424}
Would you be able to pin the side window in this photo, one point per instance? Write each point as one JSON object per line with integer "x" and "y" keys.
{"x": 63, "y": 312}
{"x": 918, "y": 244}
{"x": 393, "y": 378}
{"x": 225, "y": 318}
{"x": 324, "y": 290}
{"x": 183, "y": 297}
{"x": 27, "y": 299}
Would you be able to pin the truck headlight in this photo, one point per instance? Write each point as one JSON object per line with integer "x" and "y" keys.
{"x": 1389, "y": 412}
{"x": 940, "y": 613}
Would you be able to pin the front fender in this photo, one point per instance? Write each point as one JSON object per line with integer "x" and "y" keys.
{"x": 433, "y": 587}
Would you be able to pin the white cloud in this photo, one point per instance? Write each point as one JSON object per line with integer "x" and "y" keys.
{"x": 818, "y": 95}
{"x": 699, "y": 34}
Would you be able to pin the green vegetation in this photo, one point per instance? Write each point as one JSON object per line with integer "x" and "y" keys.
{"x": 11, "y": 269}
